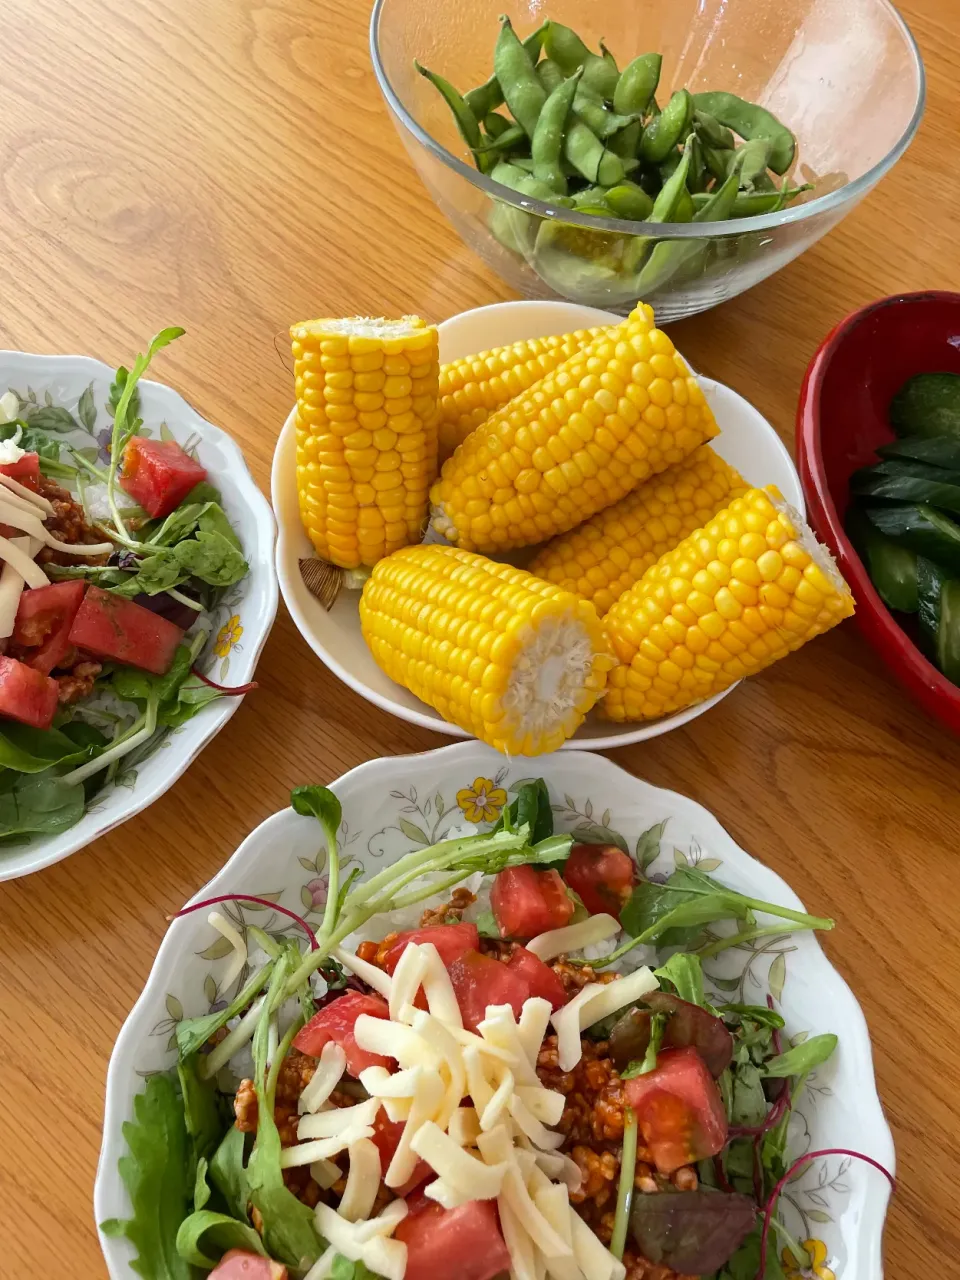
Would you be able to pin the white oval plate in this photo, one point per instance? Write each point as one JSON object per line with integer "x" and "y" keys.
{"x": 747, "y": 441}
{"x": 392, "y": 805}
{"x": 241, "y": 622}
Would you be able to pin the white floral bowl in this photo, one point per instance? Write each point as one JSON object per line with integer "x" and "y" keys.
{"x": 747, "y": 441}
{"x": 240, "y": 623}
{"x": 393, "y": 805}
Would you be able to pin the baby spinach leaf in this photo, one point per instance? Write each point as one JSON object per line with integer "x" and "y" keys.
{"x": 84, "y": 734}
{"x": 802, "y": 1058}
{"x": 193, "y": 1033}
{"x": 317, "y": 802}
{"x": 213, "y": 519}
{"x": 203, "y": 492}
{"x": 228, "y": 1172}
{"x": 159, "y": 572}
{"x": 685, "y": 972}
{"x": 693, "y": 1232}
{"x": 39, "y": 804}
{"x": 205, "y": 1236}
{"x": 212, "y": 558}
{"x": 30, "y": 750}
{"x": 179, "y": 524}
{"x": 156, "y": 1173}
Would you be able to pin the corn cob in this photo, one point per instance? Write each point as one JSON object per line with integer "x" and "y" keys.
{"x": 607, "y": 554}
{"x": 610, "y": 416}
{"x": 472, "y": 387}
{"x": 511, "y": 659}
{"x": 735, "y": 596}
{"x": 366, "y": 434}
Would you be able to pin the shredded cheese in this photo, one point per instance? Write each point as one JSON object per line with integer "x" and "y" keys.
{"x": 574, "y": 937}
{"x": 596, "y": 1262}
{"x": 455, "y": 1166}
{"x": 546, "y": 1104}
{"x": 11, "y": 589}
{"x": 594, "y": 1002}
{"x": 532, "y": 1026}
{"x": 23, "y": 563}
{"x": 450, "y": 1055}
{"x": 16, "y": 517}
{"x": 21, "y": 491}
{"x": 322, "y": 1148}
{"x": 9, "y": 407}
{"x": 493, "y": 1112}
{"x": 430, "y": 1093}
{"x": 393, "y": 1040}
{"x": 329, "y": 1072}
{"x": 441, "y": 997}
{"x": 371, "y": 974}
{"x": 239, "y": 957}
{"x": 545, "y": 1139}
{"x": 381, "y": 1083}
{"x": 464, "y": 1126}
{"x": 363, "y": 1181}
{"x": 328, "y": 1124}
{"x": 405, "y": 982}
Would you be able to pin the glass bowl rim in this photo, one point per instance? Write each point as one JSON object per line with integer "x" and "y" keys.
{"x": 827, "y": 203}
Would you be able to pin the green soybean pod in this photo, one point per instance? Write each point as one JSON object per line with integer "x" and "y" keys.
{"x": 589, "y": 156}
{"x": 666, "y": 208}
{"x": 626, "y": 143}
{"x": 522, "y": 90}
{"x": 752, "y": 161}
{"x": 637, "y": 84}
{"x": 712, "y": 133}
{"x": 665, "y": 130}
{"x": 699, "y": 175}
{"x": 608, "y": 57}
{"x": 510, "y": 140}
{"x": 466, "y": 120}
{"x": 751, "y": 121}
{"x": 550, "y": 75}
{"x": 566, "y": 48}
{"x": 547, "y": 144}
{"x": 495, "y": 124}
{"x": 591, "y": 198}
{"x": 749, "y": 204}
{"x": 488, "y": 96}
{"x": 627, "y": 200}
{"x": 717, "y": 161}
{"x": 591, "y": 110}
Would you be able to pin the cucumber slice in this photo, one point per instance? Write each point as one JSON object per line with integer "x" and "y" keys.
{"x": 891, "y": 566}
{"x": 935, "y": 451}
{"x": 927, "y": 405}
{"x": 923, "y": 530}
{"x": 930, "y": 581}
{"x": 905, "y": 488}
{"x": 948, "y": 632}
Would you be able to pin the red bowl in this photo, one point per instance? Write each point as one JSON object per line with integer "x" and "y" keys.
{"x": 841, "y": 418}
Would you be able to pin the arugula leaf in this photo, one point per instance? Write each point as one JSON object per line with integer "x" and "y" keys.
{"x": 228, "y": 1172}
{"x": 487, "y": 925}
{"x": 202, "y": 1114}
{"x": 802, "y": 1059}
{"x": 205, "y": 1236}
{"x": 84, "y": 734}
{"x": 750, "y": 1104}
{"x": 685, "y": 973}
{"x": 156, "y": 1173}
{"x": 755, "y": 1012}
{"x": 117, "y": 387}
{"x": 693, "y": 1232}
{"x": 201, "y": 1188}
{"x": 192, "y": 696}
{"x": 39, "y": 804}
{"x": 193, "y": 1033}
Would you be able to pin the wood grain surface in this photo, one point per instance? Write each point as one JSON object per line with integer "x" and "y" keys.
{"x": 228, "y": 165}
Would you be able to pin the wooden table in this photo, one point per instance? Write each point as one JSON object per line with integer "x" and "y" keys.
{"x": 225, "y": 166}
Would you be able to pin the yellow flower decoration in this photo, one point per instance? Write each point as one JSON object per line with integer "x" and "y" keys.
{"x": 817, "y": 1253}
{"x": 483, "y": 801}
{"x": 227, "y": 636}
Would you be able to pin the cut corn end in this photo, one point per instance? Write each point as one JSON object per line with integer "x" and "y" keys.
{"x": 732, "y": 598}
{"x": 366, "y": 433}
{"x": 512, "y": 660}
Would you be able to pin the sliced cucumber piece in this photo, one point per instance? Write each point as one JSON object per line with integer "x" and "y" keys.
{"x": 935, "y": 451}
{"x": 927, "y": 405}
{"x": 891, "y": 566}
{"x": 923, "y": 530}
{"x": 906, "y": 488}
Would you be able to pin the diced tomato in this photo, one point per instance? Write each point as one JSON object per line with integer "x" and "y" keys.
{"x": 453, "y": 1244}
{"x": 108, "y": 626}
{"x": 451, "y": 940}
{"x": 237, "y": 1264}
{"x": 539, "y": 977}
{"x": 44, "y": 618}
{"x": 386, "y": 1138}
{"x": 25, "y": 471}
{"x": 27, "y": 695}
{"x": 602, "y": 875}
{"x": 479, "y": 981}
{"x": 335, "y": 1022}
{"x": 158, "y": 474}
{"x": 526, "y": 902}
{"x": 679, "y": 1109}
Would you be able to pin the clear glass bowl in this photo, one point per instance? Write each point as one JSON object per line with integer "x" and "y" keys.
{"x": 845, "y": 75}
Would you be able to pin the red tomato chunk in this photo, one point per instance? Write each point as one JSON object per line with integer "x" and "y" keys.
{"x": 679, "y": 1109}
{"x": 451, "y": 940}
{"x": 453, "y": 1244}
{"x": 25, "y": 471}
{"x": 526, "y": 902}
{"x": 336, "y": 1022}
{"x": 479, "y": 981}
{"x": 108, "y": 626}
{"x": 237, "y": 1264}
{"x": 602, "y": 875}
{"x": 539, "y": 978}
{"x": 158, "y": 474}
{"x": 44, "y": 618}
{"x": 386, "y": 1138}
{"x": 27, "y": 695}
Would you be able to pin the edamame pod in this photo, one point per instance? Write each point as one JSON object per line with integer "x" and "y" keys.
{"x": 547, "y": 144}
{"x": 488, "y": 96}
{"x": 627, "y": 200}
{"x": 637, "y": 84}
{"x": 590, "y": 157}
{"x": 751, "y": 121}
{"x": 752, "y": 160}
{"x": 566, "y": 48}
{"x": 522, "y": 90}
{"x": 590, "y": 109}
{"x": 712, "y": 132}
{"x": 466, "y": 121}
{"x": 626, "y": 143}
{"x": 665, "y": 130}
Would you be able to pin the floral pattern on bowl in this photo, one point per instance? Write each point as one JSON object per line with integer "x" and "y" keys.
{"x": 393, "y": 805}
{"x": 68, "y": 396}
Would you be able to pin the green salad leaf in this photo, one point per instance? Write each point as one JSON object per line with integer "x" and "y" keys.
{"x": 530, "y": 808}
{"x": 193, "y": 1033}
{"x": 802, "y": 1058}
{"x": 487, "y": 925}
{"x": 201, "y": 1108}
{"x": 205, "y": 1236}
{"x": 685, "y": 973}
{"x": 38, "y": 804}
{"x": 29, "y": 750}
{"x": 157, "y": 1174}
{"x": 228, "y": 1172}
{"x": 343, "y": 1269}
{"x": 201, "y": 1188}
